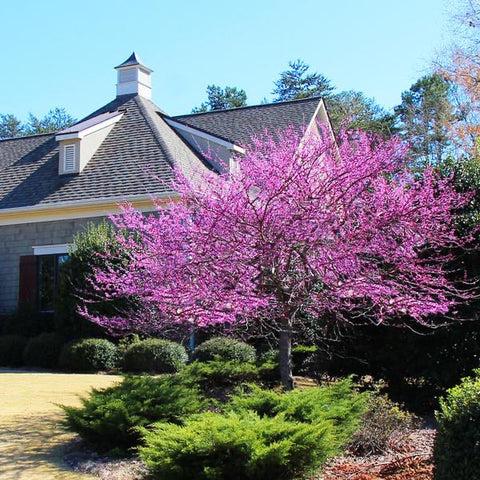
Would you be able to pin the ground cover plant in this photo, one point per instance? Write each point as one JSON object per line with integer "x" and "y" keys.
{"x": 220, "y": 374}
{"x": 237, "y": 446}
{"x": 172, "y": 420}
{"x": 108, "y": 418}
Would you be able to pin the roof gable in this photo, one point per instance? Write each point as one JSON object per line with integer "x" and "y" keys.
{"x": 139, "y": 154}
{"x": 239, "y": 125}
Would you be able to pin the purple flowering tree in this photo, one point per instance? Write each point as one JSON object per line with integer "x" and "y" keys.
{"x": 303, "y": 226}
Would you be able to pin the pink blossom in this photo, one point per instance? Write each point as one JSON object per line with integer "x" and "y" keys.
{"x": 303, "y": 225}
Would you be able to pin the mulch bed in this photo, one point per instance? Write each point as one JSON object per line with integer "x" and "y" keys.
{"x": 82, "y": 459}
{"x": 408, "y": 457}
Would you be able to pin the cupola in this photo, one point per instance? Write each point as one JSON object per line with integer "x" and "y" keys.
{"x": 134, "y": 77}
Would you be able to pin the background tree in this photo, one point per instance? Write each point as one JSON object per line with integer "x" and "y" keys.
{"x": 221, "y": 99}
{"x": 303, "y": 228}
{"x": 10, "y": 127}
{"x": 424, "y": 116}
{"x": 353, "y": 110}
{"x": 461, "y": 67}
{"x": 296, "y": 83}
{"x": 55, "y": 120}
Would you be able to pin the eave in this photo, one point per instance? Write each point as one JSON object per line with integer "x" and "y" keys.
{"x": 81, "y": 209}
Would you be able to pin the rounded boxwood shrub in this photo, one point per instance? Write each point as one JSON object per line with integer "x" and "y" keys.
{"x": 155, "y": 355}
{"x": 11, "y": 350}
{"x": 225, "y": 349}
{"x": 43, "y": 350}
{"x": 456, "y": 452}
{"x": 90, "y": 354}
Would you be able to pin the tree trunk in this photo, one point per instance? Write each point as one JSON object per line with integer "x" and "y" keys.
{"x": 285, "y": 353}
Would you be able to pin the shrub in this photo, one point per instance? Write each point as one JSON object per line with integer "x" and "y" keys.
{"x": 88, "y": 253}
{"x": 303, "y": 359}
{"x": 225, "y": 349}
{"x": 382, "y": 419}
{"x": 11, "y": 350}
{"x": 457, "y": 444}
{"x": 236, "y": 446}
{"x": 108, "y": 418}
{"x": 43, "y": 350}
{"x": 91, "y": 354}
{"x": 219, "y": 374}
{"x": 155, "y": 355}
{"x": 269, "y": 369}
{"x": 337, "y": 403}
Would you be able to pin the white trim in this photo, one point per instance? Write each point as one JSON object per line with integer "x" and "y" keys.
{"x": 62, "y": 248}
{"x": 87, "y": 131}
{"x": 206, "y": 136}
{"x": 107, "y": 207}
{"x": 322, "y": 115}
{"x": 81, "y": 203}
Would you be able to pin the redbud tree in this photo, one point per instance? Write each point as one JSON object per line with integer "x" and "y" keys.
{"x": 305, "y": 225}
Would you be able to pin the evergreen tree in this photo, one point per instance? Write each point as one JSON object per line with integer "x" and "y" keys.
{"x": 424, "y": 116}
{"x": 297, "y": 83}
{"x": 221, "y": 99}
{"x": 10, "y": 126}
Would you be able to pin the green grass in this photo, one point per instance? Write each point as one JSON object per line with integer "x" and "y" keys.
{"x": 32, "y": 439}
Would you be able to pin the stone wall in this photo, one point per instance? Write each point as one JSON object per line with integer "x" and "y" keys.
{"x": 18, "y": 240}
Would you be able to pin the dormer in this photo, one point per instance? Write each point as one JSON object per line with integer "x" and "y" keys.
{"x": 134, "y": 78}
{"x": 79, "y": 142}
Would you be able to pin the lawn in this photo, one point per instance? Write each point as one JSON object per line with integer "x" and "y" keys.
{"x": 32, "y": 440}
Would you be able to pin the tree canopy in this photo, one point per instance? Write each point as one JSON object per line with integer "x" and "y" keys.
{"x": 424, "y": 116}
{"x": 353, "y": 110}
{"x": 55, "y": 120}
{"x": 221, "y": 99}
{"x": 304, "y": 227}
{"x": 296, "y": 83}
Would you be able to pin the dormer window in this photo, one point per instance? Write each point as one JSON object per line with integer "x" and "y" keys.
{"x": 69, "y": 158}
{"x": 79, "y": 142}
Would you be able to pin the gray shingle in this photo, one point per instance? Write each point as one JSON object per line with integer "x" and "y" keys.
{"x": 137, "y": 157}
{"x": 239, "y": 125}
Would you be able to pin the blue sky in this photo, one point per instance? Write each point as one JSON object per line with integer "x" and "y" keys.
{"x": 57, "y": 53}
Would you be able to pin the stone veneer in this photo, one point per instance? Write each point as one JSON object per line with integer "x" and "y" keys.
{"x": 18, "y": 240}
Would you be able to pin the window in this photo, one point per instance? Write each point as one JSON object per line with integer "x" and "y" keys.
{"x": 69, "y": 158}
{"x": 48, "y": 266}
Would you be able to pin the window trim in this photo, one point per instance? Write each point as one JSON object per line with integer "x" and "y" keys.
{"x": 61, "y": 248}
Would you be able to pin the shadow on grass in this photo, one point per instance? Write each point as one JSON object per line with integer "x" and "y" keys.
{"x": 33, "y": 448}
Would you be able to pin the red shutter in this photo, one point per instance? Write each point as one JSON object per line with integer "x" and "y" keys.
{"x": 27, "y": 285}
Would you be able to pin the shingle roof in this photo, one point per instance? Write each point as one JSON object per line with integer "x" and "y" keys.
{"x": 239, "y": 125}
{"x": 130, "y": 161}
{"x": 140, "y": 150}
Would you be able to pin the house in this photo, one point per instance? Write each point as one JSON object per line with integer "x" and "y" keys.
{"x": 52, "y": 185}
